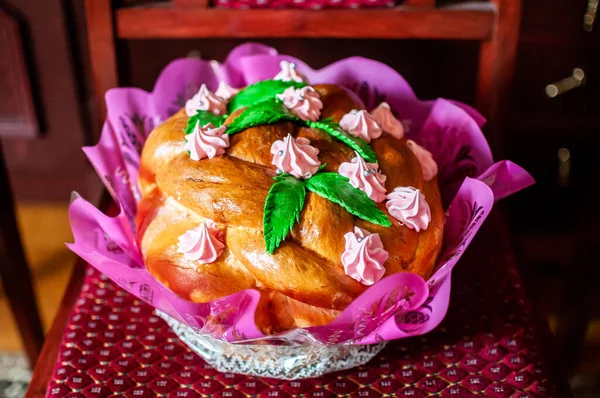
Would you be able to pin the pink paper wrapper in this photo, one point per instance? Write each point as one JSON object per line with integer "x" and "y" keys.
{"x": 400, "y": 305}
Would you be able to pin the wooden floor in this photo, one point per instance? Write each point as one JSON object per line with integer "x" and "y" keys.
{"x": 45, "y": 228}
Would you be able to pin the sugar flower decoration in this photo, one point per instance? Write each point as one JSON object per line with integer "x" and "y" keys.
{"x": 295, "y": 156}
{"x": 364, "y": 256}
{"x": 206, "y": 141}
{"x": 360, "y": 124}
{"x": 428, "y": 165}
{"x": 205, "y": 100}
{"x": 388, "y": 122}
{"x": 408, "y": 205}
{"x": 288, "y": 73}
{"x": 225, "y": 91}
{"x": 203, "y": 244}
{"x": 305, "y": 102}
{"x": 366, "y": 177}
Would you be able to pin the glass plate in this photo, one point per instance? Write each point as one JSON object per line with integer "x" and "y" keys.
{"x": 283, "y": 361}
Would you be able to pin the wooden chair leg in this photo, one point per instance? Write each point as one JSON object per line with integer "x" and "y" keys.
{"x": 14, "y": 272}
{"x": 101, "y": 44}
{"x": 496, "y": 67}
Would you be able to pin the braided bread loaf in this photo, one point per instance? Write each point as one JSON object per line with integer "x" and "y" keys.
{"x": 303, "y": 283}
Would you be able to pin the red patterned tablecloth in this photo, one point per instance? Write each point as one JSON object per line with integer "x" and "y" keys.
{"x": 115, "y": 345}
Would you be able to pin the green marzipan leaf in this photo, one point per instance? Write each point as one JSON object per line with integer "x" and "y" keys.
{"x": 283, "y": 206}
{"x": 266, "y": 112}
{"x": 356, "y": 143}
{"x": 259, "y": 92}
{"x": 204, "y": 117}
{"x": 337, "y": 189}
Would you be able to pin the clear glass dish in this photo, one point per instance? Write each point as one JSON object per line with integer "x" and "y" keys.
{"x": 287, "y": 360}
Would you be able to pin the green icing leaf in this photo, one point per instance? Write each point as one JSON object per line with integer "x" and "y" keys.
{"x": 266, "y": 112}
{"x": 337, "y": 189}
{"x": 356, "y": 143}
{"x": 204, "y": 117}
{"x": 282, "y": 209}
{"x": 258, "y": 92}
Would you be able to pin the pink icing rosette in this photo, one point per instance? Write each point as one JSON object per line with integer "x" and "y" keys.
{"x": 203, "y": 244}
{"x": 205, "y": 100}
{"x": 295, "y": 156}
{"x": 360, "y": 124}
{"x": 304, "y": 102}
{"x": 206, "y": 142}
{"x": 428, "y": 165}
{"x": 388, "y": 122}
{"x": 366, "y": 177}
{"x": 451, "y": 131}
{"x": 364, "y": 256}
{"x": 408, "y": 205}
{"x": 288, "y": 73}
{"x": 225, "y": 91}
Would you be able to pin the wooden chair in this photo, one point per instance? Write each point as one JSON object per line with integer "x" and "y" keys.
{"x": 494, "y": 23}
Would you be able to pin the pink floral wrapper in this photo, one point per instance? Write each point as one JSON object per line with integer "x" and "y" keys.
{"x": 400, "y": 305}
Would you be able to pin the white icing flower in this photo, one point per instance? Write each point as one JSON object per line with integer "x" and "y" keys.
{"x": 205, "y": 100}
{"x": 206, "y": 142}
{"x": 425, "y": 158}
{"x": 295, "y": 156}
{"x": 288, "y": 73}
{"x": 366, "y": 177}
{"x": 360, "y": 124}
{"x": 364, "y": 256}
{"x": 202, "y": 244}
{"x": 304, "y": 102}
{"x": 225, "y": 91}
{"x": 408, "y": 205}
{"x": 384, "y": 116}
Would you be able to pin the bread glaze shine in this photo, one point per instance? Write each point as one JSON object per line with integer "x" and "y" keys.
{"x": 303, "y": 283}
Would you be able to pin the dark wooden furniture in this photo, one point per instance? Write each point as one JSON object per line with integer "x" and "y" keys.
{"x": 14, "y": 272}
{"x": 495, "y": 24}
{"x": 18, "y": 118}
{"x": 18, "y": 114}
{"x": 34, "y": 71}
{"x": 45, "y": 160}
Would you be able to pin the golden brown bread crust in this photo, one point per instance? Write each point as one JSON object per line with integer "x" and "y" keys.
{"x": 303, "y": 283}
